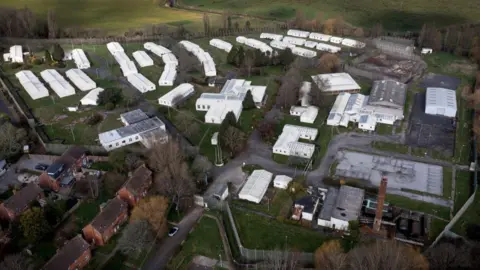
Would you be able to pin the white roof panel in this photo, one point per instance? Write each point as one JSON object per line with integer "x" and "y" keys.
{"x": 168, "y": 75}
{"x": 182, "y": 91}
{"x": 256, "y": 186}
{"x": 298, "y": 33}
{"x": 169, "y": 58}
{"x": 221, "y": 44}
{"x": 114, "y": 47}
{"x": 141, "y": 83}
{"x": 32, "y": 84}
{"x": 80, "y": 79}
{"x": 142, "y": 58}
{"x": 319, "y": 36}
{"x": 271, "y": 36}
{"x": 80, "y": 59}
{"x": 336, "y": 82}
{"x": 294, "y": 40}
{"x": 91, "y": 97}
{"x": 58, "y": 84}
{"x": 441, "y": 97}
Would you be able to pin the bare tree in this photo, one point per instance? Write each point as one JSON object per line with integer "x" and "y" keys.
{"x": 329, "y": 63}
{"x": 447, "y": 255}
{"x": 136, "y": 237}
{"x": 186, "y": 123}
{"x": 282, "y": 260}
{"x": 52, "y": 24}
{"x": 16, "y": 262}
{"x": 234, "y": 140}
{"x": 12, "y": 140}
{"x": 154, "y": 210}
{"x": 330, "y": 256}
{"x": 112, "y": 182}
{"x": 201, "y": 167}
{"x": 249, "y": 61}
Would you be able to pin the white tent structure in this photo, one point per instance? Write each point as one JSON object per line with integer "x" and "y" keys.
{"x": 271, "y": 36}
{"x": 141, "y": 83}
{"x": 327, "y": 48}
{"x": 16, "y": 54}
{"x": 91, "y": 98}
{"x": 287, "y": 143}
{"x": 191, "y": 47}
{"x": 310, "y": 44}
{"x": 319, "y": 37}
{"x": 241, "y": 39}
{"x": 336, "y": 116}
{"x": 32, "y": 84}
{"x": 178, "y": 94}
{"x": 281, "y": 45}
{"x": 221, "y": 44}
{"x": 80, "y": 59}
{"x": 156, "y": 49}
{"x": 80, "y": 79}
{"x": 128, "y": 68}
{"x": 168, "y": 75}
{"x": 142, "y": 58}
{"x": 294, "y": 41}
{"x": 334, "y": 83}
{"x": 304, "y": 52}
{"x": 441, "y": 101}
{"x": 282, "y": 181}
{"x": 298, "y": 33}
{"x": 352, "y": 43}
{"x": 6, "y": 57}
{"x": 259, "y": 45}
{"x": 209, "y": 68}
{"x": 336, "y": 40}
{"x": 169, "y": 58}
{"x": 256, "y": 186}
{"x": 57, "y": 83}
{"x": 114, "y": 47}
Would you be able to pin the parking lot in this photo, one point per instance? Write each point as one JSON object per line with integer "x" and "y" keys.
{"x": 14, "y": 173}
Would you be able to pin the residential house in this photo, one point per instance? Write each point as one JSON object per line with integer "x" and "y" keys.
{"x": 20, "y": 201}
{"x": 62, "y": 171}
{"x": 107, "y": 222}
{"x": 136, "y": 186}
{"x": 75, "y": 254}
{"x": 305, "y": 208}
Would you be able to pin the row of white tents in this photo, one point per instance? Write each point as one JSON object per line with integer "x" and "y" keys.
{"x": 256, "y": 44}
{"x": 176, "y": 95}
{"x": 322, "y": 37}
{"x": 292, "y": 42}
{"x": 56, "y": 81}
{"x": 204, "y": 57}
{"x": 221, "y": 44}
{"x": 170, "y": 69}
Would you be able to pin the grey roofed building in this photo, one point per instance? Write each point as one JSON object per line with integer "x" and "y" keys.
{"x": 68, "y": 254}
{"x": 141, "y": 128}
{"x": 388, "y": 93}
{"x": 328, "y": 204}
{"x": 109, "y": 214}
{"x": 134, "y": 116}
{"x": 349, "y": 203}
{"x": 309, "y": 204}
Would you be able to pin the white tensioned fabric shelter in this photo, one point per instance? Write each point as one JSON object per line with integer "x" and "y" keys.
{"x": 241, "y": 39}
{"x": 328, "y": 48}
{"x": 221, "y": 44}
{"x": 57, "y": 83}
{"x": 287, "y": 143}
{"x": 209, "y": 68}
{"x": 32, "y": 84}
{"x": 191, "y": 47}
{"x": 91, "y": 98}
{"x": 256, "y": 186}
{"x": 304, "y": 52}
{"x": 298, "y": 33}
{"x": 128, "y": 68}
{"x": 336, "y": 82}
{"x": 80, "y": 79}
{"x": 80, "y": 59}
{"x": 168, "y": 75}
{"x": 142, "y": 58}
{"x": 140, "y": 82}
{"x": 281, "y": 181}
{"x": 281, "y": 45}
{"x": 156, "y": 49}
{"x": 336, "y": 40}
{"x": 319, "y": 36}
{"x": 294, "y": 40}
{"x": 441, "y": 101}
{"x": 271, "y": 36}
{"x": 259, "y": 45}
{"x": 309, "y": 115}
{"x": 169, "y": 58}
{"x": 311, "y": 44}
{"x": 352, "y": 43}
{"x": 114, "y": 47}
{"x": 16, "y": 54}
{"x": 177, "y": 94}
{"x": 336, "y": 113}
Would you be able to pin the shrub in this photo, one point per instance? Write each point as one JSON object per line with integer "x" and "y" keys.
{"x": 37, "y": 61}
{"x": 94, "y": 119}
{"x": 109, "y": 106}
{"x": 60, "y": 65}
{"x": 15, "y": 65}
{"x": 58, "y": 54}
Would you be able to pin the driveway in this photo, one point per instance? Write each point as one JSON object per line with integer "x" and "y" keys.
{"x": 10, "y": 178}
{"x": 163, "y": 252}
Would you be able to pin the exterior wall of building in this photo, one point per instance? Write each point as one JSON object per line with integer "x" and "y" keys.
{"x": 94, "y": 236}
{"x": 122, "y": 142}
{"x": 339, "y": 224}
{"x": 82, "y": 261}
{"x": 324, "y": 223}
{"x": 352, "y": 91}
{"x": 366, "y": 126}
{"x": 307, "y": 216}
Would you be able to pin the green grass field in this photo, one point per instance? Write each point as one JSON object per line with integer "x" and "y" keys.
{"x": 393, "y": 14}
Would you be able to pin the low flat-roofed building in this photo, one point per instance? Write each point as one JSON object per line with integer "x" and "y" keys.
{"x": 282, "y": 181}
{"x": 340, "y": 207}
{"x": 335, "y": 83}
{"x": 287, "y": 143}
{"x": 256, "y": 186}
{"x": 298, "y": 33}
{"x": 142, "y": 58}
{"x": 441, "y": 101}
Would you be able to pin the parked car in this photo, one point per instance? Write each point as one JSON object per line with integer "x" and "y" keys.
{"x": 41, "y": 167}
{"x": 172, "y": 231}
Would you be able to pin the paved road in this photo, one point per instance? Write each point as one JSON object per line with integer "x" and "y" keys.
{"x": 162, "y": 252}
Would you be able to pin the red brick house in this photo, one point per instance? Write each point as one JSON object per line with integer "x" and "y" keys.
{"x": 11, "y": 208}
{"x": 62, "y": 171}
{"x": 75, "y": 254}
{"x": 107, "y": 222}
{"x": 136, "y": 186}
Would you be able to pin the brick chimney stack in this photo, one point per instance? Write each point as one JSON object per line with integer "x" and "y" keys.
{"x": 382, "y": 191}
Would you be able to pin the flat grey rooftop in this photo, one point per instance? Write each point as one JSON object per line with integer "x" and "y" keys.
{"x": 400, "y": 173}
{"x": 328, "y": 204}
{"x": 349, "y": 203}
{"x": 140, "y": 128}
{"x": 134, "y": 116}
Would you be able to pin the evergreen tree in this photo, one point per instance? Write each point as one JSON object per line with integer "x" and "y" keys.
{"x": 229, "y": 23}
{"x": 248, "y": 102}
{"x": 48, "y": 57}
{"x": 240, "y": 57}
{"x": 58, "y": 54}
{"x": 286, "y": 57}
{"x": 232, "y": 55}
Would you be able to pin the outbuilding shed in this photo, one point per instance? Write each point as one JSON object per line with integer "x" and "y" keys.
{"x": 32, "y": 84}
{"x": 221, "y": 44}
{"x": 80, "y": 59}
{"x": 141, "y": 83}
{"x": 328, "y": 48}
{"x": 176, "y": 95}
{"x": 282, "y": 181}
{"x": 57, "y": 83}
{"x": 298, "y": 33}
{"x": 256, "y": 186}
{"x": 168, "y": 75}
{"x": 441, "y": 101}
{"x": 80, "y": 79}
{"x": 114, "y": 47}
{"x": 142, "y": 58}
{"x": 287, "y": 143}
{"x": 91, "y": 98}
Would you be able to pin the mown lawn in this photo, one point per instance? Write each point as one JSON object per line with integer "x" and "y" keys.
{"x": 391, "y": 147}
{"x": 463, "y": 188}
{"x": 278, "y": 206}
{"x": 471, "y": 216}
{"x": 420, "y": 206}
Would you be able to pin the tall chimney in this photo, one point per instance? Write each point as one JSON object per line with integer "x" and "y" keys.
{"x": 380, "y": 201}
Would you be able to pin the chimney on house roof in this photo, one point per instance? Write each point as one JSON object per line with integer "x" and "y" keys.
{"x": 382, "y": 191}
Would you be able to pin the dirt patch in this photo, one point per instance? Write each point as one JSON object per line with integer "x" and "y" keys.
{"x": 462, "y": 67}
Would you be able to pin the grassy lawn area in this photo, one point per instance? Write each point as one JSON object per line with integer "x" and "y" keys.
{"x": 436, "y": 227}
{"x": 204, "y": 240}
{"x": 278, "y": 206}
{"x": 471, "y": 216}
{"x": 463, "y": 187}
{"x": 391, "y": 147}
{"x": 384, "y": 129}
{"x": 88, "y": 210}
{"x": 257, "y": 232}
{"x": 427, "y": 208}
{"x": 447, "y": 182}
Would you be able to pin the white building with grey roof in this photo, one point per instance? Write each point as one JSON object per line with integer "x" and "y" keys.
{"x": 341, "y": 206}
{"x": 138, "y": 128}
{"x": 441, "y": 101}
{"x": 288, "y": 143}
